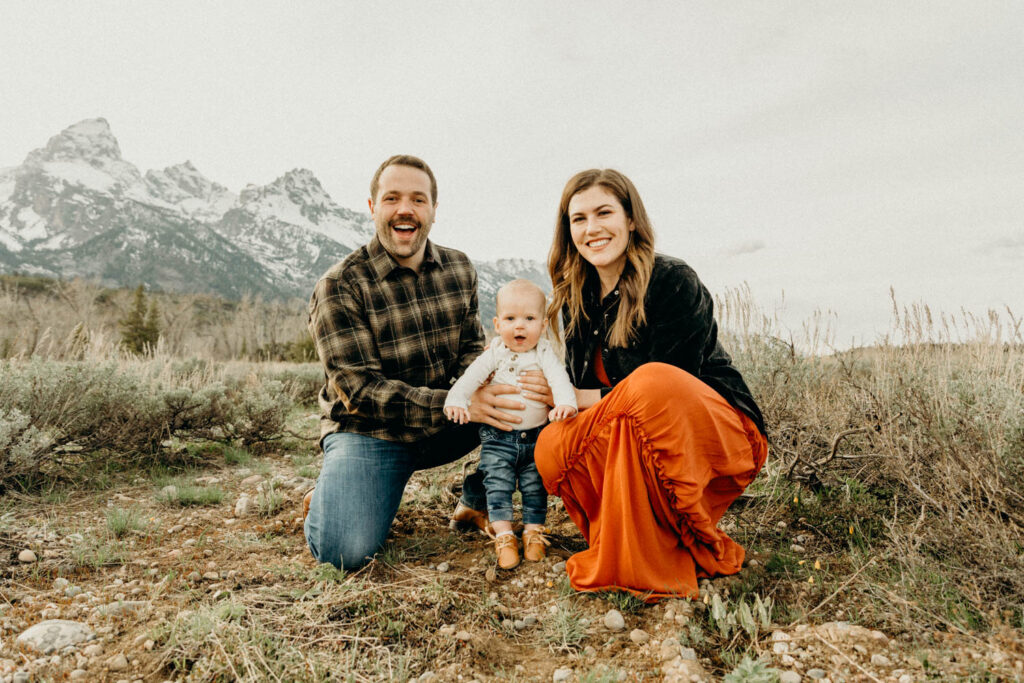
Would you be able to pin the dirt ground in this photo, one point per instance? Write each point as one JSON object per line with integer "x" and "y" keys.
{"x": 179, "y": 588}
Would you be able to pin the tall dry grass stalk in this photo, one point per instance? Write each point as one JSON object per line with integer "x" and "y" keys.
{"x": 927, "y": 424}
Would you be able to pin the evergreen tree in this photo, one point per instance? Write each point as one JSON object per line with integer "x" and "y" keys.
{"x": 139, "y": 331}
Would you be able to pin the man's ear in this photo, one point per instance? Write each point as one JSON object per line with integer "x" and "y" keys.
{"x": 370, "y": 203}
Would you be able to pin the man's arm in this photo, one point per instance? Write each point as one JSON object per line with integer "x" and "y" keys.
{"x": 348, "y": 352}
{"x": 471, "y": 336}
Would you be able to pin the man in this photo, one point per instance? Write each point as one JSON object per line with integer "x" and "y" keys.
{"x": 395, "y": 324}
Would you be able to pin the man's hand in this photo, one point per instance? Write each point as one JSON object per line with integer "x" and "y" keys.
{"x": 559, "y": 413}
{"x": 486, "y": 404}
{"x": 535, "y": 385}
{"x": 456, "y": 414}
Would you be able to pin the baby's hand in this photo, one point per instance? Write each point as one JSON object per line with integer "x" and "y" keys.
{"x": 457, "y": 414}
{"x": 559, "y": 413}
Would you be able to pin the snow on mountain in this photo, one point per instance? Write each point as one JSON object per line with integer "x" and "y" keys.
{"x": 91, "y": 142}
{"x": 193, "y": 193}
{"x": 298, "y": 199}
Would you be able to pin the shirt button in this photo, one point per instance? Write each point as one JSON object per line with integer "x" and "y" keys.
{"x": 595, "y": 332}
{"x": 515, "y": 357}
{"x": 522, "y": 435}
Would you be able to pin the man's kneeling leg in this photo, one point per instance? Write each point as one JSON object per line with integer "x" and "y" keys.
{"x": 356, "y": 498}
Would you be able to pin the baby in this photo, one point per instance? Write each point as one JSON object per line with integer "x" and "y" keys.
{"x": 508, "y": 456}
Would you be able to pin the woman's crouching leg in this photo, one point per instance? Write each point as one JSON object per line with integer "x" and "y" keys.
{"x": 356, "y": 497}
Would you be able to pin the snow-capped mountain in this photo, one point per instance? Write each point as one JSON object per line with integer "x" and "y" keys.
{"x": 77, "y": 208}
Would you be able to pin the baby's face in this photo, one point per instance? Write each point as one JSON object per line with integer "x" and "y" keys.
{"x": 520, "y": 320}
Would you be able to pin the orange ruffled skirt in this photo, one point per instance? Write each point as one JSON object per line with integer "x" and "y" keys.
{"x": 646, "y": 474}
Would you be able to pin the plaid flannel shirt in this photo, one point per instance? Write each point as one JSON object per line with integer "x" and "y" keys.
{"x": 392, "y": 341}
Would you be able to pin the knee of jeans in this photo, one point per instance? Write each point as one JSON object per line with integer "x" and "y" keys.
{"x": 348, "y": 549}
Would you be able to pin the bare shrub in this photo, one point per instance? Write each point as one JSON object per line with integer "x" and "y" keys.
{"x": 61, "y": 416}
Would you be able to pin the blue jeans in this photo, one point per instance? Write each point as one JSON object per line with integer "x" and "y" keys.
{"x": 361, "y": 484}
{"x": 505, "y": 458}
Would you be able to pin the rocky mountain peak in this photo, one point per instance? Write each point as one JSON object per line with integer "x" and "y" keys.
{"x": 184, "y": 179}
{"x": 298, "y": 186}
{"x": 89, "y": 140}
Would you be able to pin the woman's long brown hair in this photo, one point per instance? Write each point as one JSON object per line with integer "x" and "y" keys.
{"x": 569, "y": 271}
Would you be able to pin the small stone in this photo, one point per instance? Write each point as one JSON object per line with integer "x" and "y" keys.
{"x": 796, "y": 548}
{"x": 27, "y": 556}
{"x": 79, "y": 675}
{"x": 94, "y": 650}
{"x": 149, "y": 644}
{"x": 427, "y": 677}
{"x": 614, "y": 621}
{"x": 787, "y": 660}
{"x": 860, "y": 648}
{"x": 558, "y": 567}
{"x": 781, "y": 525}
{"x": 244, "y": 506}
{"x": 816, "y": 674}
{"x": 519, "y": 624}
{"x": 688, "y": 654}
{"x": 880, "y": 660}
{"x": 250, "y": 481}
{"x": 753, "y": 564}
{"x": 176, "y": 528}
{"x": 670, "y": 614}
{"x": 531, "y": 620}
{"x": 169, "y": 492}
{"x": 906, "y": 678}
{"x": 639, "y": 636}
{"x": 443, "y": 567}
{"x": 563, "y": 674}
{"x": 446, "y": 631}
{"x": 669, "y": 649}
{"x": 464, "y": 636}
{"x": 60, "y": 583}
{"x": 194, "y": 576}
{"x": 780, "y": 648}
{"x": 780, "y": 635}
{"x": 879, "y": 636}
{"x": 72, "y": 591}
{"x": 21, "y": 677}
{"x": 789, "y": 677}
{"x": 491, "y": 575}
{"x": 117, "y": 663}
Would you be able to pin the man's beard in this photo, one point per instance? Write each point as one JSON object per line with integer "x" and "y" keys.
{"x": 386, "y": 235}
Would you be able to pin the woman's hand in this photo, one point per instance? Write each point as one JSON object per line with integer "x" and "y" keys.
{"x": 486, "y": 404}
{"x": 534, "y": 385}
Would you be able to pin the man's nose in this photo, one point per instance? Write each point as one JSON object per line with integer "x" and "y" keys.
{"x": 404, "y": 207}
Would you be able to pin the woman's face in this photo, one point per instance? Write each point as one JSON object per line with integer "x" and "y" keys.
{"x": 600, "y": 229}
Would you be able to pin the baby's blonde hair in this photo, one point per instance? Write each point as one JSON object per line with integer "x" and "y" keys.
{"x": 522, "y": 286}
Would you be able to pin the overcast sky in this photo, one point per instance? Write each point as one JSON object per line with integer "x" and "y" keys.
{"x": 827, "y": 151}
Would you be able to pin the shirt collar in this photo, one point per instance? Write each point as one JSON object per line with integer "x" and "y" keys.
{"x": 383, "y": 263}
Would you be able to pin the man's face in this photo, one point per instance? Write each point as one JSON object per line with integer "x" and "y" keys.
{"x": 403, "y": 213}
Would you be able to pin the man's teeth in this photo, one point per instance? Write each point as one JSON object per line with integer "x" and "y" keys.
{"x": 405, "y": 228}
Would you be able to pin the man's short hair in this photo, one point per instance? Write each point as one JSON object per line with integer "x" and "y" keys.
{"x": 404, "y": 160}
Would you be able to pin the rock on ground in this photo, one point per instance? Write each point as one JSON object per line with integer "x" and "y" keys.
{"x": 614, "y": 621}
{"x": 49, "y": 636}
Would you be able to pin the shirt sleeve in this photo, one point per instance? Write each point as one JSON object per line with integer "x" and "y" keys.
{"x": 476, "y": 374}
{"x": 683, "y": 325}
{"x": 557, "y": 377}
{"x": 351, "y": 361}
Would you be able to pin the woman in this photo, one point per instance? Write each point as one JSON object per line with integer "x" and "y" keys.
{"x": 669, "y": 434}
